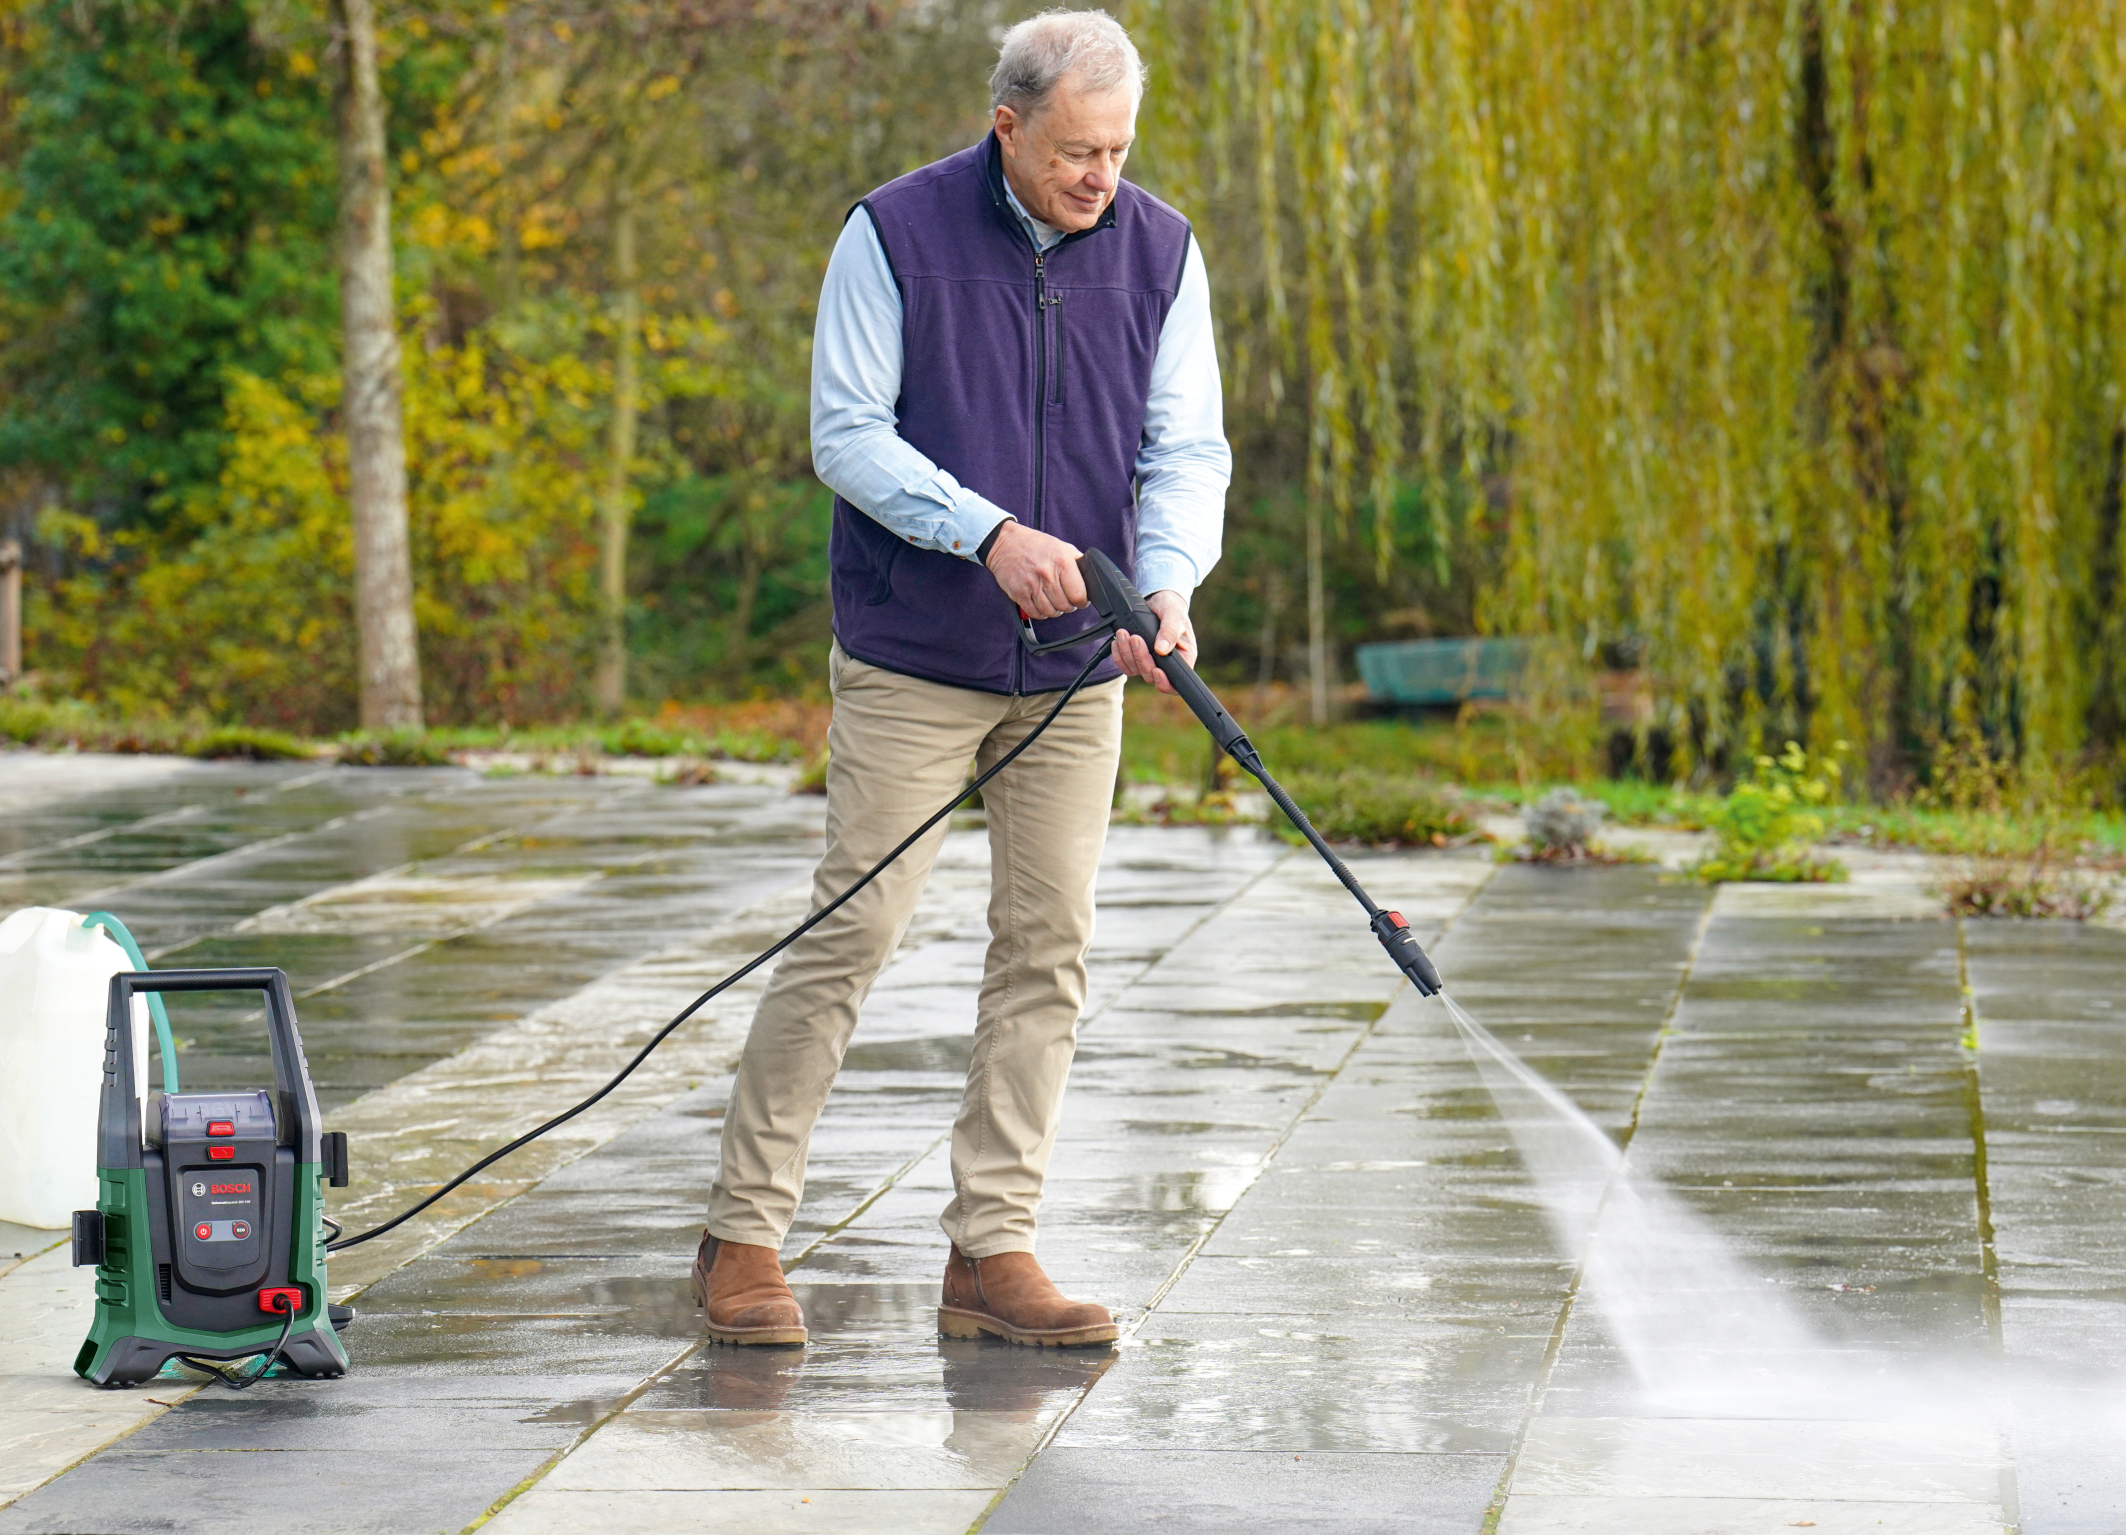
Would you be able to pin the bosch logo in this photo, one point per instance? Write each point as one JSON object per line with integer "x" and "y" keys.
{"x": 199, "y": 1190}
{"x": 229, "y": 1188}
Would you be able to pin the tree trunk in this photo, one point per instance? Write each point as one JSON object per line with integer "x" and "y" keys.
{"x": 619, "y": 452}
{"x": 1266, "y": 639}
{"x": 371, "y": 402}
{"x": 1317, "y": 616}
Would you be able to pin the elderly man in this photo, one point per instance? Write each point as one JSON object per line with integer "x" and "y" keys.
{"x": 1013, "y": 363}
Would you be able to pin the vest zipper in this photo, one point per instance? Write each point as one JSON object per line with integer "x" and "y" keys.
{"x": 1040, "y": 373}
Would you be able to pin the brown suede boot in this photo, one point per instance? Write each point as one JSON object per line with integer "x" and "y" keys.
{"x": 1008, "y": 1296}
{"x": 741, "y": 1291}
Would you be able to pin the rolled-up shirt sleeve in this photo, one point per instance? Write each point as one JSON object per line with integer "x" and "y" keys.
{"x": 856, "y": 385}
{"x": 1183, "y": 464}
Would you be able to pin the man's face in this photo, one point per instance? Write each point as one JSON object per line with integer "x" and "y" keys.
{"x": 1064, "y": 158}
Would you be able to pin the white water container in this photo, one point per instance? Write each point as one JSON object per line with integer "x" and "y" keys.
{"x": 55, "y": 990}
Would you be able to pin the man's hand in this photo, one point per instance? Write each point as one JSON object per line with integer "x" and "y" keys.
{"x": 1175, "y": 633}
{"x": 1037, "y": 572}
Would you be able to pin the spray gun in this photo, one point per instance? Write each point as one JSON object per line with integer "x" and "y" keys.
{"x": 1122, "y": 609}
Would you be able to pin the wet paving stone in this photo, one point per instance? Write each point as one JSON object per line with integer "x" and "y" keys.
{"x": 2050, "y": 1000}
{"x": 1204, "y": 1492}
{"x": 1343, "y": 1305}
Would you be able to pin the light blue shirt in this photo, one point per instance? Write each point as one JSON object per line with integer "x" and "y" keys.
{"x": 1183, "y": 463}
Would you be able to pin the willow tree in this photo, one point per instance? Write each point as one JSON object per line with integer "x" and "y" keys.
{"x": 1781, "y": 343}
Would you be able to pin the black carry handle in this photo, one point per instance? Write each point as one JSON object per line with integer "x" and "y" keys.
{"x": 1123, "y": 609}
{"x": 118, "y": 1116}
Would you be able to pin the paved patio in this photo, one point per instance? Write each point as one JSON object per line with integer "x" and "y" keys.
{"x": 1343, "y": 1308}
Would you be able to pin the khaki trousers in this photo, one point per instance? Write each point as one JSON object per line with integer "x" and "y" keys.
{"x": 899, "y": 747}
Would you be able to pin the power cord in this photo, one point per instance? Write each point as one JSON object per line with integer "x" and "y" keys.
{"x": 747, "y": 968}
{"x": 213, "y": 1367}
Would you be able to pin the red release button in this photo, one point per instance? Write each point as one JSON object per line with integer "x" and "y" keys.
{"x": 221, "y": 1153}
{"x": 221, "y": 1127}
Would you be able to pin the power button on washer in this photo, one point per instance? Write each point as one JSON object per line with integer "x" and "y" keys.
{"x": 203, "y": 1231}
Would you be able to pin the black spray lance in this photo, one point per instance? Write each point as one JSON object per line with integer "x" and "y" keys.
{"x": 1123, "y": 609}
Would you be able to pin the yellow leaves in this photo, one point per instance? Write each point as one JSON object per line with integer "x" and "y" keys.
{"x": 543, "y": 227}
{"x": 661, "y": 87}
{"x": 301, "y": 65}
{"x": 438, "y": 226}
{"x": 61, "y": 529}
{"x": 242, "y": 607}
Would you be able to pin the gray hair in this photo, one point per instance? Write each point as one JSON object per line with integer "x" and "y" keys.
{"x": 1040, "y": 51}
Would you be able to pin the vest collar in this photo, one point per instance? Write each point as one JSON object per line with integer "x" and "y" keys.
{"x": 993, "y": 179}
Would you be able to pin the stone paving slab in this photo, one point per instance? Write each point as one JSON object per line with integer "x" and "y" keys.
{"x": 1547, "y": 1514}
{"x": 2050, "y": 1013}
{"x": 1122, "y": 1492}
{"x": 554, "y": 1511}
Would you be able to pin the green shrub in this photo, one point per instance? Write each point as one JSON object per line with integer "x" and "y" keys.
{"x": 1767, "y": 826}
{"x": 642, "y": 738}
{"x": 250, "y": 743}
{"x": 1378, "y": 809}
{"x": 138, "y": 737}
{"x": 2038, "y": 887}
{"x": 755, "y": 745}
{"x": 24, "y": 722}
{"x": 398, "y": 748}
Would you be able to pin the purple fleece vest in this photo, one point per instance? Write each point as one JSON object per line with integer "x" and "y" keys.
{"x": 1024, "y": 379}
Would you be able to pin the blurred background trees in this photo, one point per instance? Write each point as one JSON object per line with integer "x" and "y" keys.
{"x": 1774, "y": 350}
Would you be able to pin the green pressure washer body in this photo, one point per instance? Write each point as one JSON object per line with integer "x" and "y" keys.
{"x": 208, "y": 1234}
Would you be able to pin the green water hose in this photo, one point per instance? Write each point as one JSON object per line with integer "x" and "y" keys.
{"x": 163, "y": 1041}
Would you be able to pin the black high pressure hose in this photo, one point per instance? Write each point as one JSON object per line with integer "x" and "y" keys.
{"x": 1121, "y": 609}
{"x": 748, "y": 967}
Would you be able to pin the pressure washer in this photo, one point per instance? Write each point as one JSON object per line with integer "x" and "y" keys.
{"x": 208, "y": 1234}
{"x": 219, "y": 1216}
